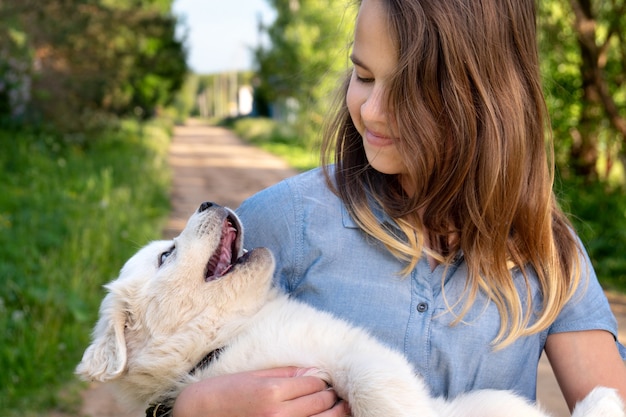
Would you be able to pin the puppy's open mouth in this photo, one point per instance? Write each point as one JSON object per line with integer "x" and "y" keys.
{"x": 225, "y": 255}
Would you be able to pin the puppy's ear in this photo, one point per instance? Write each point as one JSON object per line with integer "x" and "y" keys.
{"x": 105, "y": 358}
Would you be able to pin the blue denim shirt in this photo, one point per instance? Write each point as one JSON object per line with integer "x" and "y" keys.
{"x": 325, "y": 260}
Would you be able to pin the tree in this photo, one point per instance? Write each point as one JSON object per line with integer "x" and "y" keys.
{"x": 14, "y": 69}
{"x": 584, "y": 64}
{"x": 96, "y": 59}
{"x": 308, "y": 52}
{"x": 601, "y": 38}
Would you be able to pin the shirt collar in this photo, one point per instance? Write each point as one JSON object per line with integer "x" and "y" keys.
{"x": 379, "y": 214}
{"x": 384, "y": 218}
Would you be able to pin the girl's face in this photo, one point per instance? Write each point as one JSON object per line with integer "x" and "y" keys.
{"x": 374, "y": 58}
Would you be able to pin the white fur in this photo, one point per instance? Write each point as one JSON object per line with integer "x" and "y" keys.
{"x": 157, "y": 322}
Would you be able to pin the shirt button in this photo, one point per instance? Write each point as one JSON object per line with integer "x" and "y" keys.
{"x": 422, "y": 307}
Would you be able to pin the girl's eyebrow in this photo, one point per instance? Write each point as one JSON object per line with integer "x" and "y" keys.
{"x": 356, "y": 61}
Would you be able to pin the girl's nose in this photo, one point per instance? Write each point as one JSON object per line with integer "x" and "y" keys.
{"x": 373, "y": 108}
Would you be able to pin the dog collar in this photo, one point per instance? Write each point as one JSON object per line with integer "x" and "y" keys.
{"x": 164, "y": 409}
{"x": 159, "y": 410}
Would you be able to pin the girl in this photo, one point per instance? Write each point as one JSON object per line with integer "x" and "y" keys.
{"x": 436, "y": 227}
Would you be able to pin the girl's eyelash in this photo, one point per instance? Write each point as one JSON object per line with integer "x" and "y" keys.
{"x": 360, "y": 79}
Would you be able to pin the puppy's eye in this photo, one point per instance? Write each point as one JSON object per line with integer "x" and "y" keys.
{"x": 164, "y": 255}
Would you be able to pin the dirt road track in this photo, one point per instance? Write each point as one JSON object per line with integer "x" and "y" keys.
{"x": 211, "y": 164}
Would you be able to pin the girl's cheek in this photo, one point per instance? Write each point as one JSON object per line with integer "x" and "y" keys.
{"x": 354, "y": 102}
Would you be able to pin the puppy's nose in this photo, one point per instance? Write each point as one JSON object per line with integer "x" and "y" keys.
{"x": 205, "y": 206}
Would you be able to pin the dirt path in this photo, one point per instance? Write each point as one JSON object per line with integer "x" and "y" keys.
{"x": 211, "y": 164}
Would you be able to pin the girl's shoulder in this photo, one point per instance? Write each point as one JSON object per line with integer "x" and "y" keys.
{"x": 307, "y": 186}
{"x": 312, "y": 181}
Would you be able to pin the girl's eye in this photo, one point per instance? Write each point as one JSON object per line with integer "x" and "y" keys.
{"x": 164, "y": 255}
{"x": 364, "y": 80}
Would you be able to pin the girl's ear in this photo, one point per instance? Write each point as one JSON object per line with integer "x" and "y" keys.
{"x": 105, "y": 359}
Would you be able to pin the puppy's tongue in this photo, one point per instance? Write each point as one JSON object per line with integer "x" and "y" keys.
{"x": 221, "y": 261}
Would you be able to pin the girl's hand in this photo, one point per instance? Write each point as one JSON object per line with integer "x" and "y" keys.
{"x": 273, "y": 392}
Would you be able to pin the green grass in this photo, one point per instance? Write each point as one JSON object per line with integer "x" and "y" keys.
{"x": 70, "y": 215}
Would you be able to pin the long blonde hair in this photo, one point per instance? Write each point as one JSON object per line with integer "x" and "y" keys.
{"x": 467, "y": 101}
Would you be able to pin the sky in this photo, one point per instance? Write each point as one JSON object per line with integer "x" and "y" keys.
{"x": 220, "y": 33}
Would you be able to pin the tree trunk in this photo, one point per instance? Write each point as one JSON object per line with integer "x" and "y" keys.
{"x": 597, "y": 102}
{"x": 584, "y": 151}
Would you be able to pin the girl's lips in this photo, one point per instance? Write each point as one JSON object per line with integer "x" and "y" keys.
{"x": 377, "y": 139}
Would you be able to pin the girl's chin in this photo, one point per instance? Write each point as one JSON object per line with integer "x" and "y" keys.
{"x": 385, "y": 163}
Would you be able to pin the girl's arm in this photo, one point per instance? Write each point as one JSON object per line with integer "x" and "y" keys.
{"x": 583, "y": 360}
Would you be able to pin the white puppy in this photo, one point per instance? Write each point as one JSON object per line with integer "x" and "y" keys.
{"x": 193, "y": 308}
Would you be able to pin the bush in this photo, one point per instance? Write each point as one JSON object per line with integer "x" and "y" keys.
{"x": 599, "y": 217}
{"x": 70, "y": 215}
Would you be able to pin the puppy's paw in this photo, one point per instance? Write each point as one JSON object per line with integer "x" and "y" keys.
{"x": 316, "y": 372}
{"x": 601, "y": 402}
